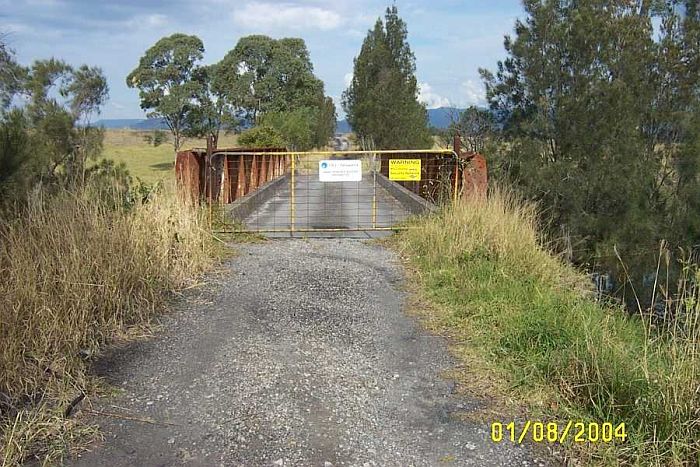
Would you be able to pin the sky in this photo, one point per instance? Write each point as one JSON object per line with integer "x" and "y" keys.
{"x": 451, "y": 39}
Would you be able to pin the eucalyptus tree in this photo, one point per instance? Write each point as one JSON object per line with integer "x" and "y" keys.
{"x": 168, "y": 78}
{"x": 263, "y": 76}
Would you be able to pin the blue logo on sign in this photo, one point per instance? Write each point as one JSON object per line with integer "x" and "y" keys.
{"x": 324, "y": 165}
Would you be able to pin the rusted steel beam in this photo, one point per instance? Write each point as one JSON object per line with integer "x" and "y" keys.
{"x": 241, "y": 183}
{"x": 187, "y": 174}
{"x": 262, "y": 179}
{"x": 475, "y": 177}
{"x": 253, "y": 183}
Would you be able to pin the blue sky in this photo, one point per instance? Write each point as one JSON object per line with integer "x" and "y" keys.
{"x": 451, "y": 39}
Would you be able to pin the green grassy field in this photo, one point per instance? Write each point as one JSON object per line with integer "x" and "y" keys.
{"x": 147, "y": 162}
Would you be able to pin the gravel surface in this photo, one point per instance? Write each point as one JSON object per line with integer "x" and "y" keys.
{"x": 300, "y": 354}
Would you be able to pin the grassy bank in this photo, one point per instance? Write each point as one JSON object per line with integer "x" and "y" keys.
{"x": 75, "y": 273}
{"x": 521, "y": 314}
{"x": 145, "y": 161}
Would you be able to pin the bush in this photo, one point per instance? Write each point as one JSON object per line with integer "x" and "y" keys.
{"x": 261, "y": 136}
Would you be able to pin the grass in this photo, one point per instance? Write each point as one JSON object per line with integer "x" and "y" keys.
{"x": 517, "y": 311}
{"x": 147, "y": 162}
{"x": 76, "y": 273}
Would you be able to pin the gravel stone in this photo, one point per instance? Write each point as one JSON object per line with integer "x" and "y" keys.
{"x": 298, "y": 353}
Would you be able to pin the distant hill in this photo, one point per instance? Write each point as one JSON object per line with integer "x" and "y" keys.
{"x": 438, "y": 118}
{"x": 442, "y": 117}
{"x": 133, "y": 123}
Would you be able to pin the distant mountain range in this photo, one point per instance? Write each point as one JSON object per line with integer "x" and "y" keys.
{"x": 438, "y": 118}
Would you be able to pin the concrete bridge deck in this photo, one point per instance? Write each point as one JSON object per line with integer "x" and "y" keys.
{"x": 344, "y": 209}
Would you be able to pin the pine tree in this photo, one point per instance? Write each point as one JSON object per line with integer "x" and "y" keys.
{"x": 381, "y": 102}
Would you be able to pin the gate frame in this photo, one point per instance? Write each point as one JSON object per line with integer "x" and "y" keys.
{"x": 459, "y": 163}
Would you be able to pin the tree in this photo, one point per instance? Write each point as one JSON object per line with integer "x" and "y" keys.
{"x": 599, "y": 112}
{"x": 62, "y": 127}
{"x": 11, "y": 75}
{"x": 49, "y": 139}
{"x": 168, "y": 78}
{"x": 381, "y": 102}
{"x": 212, "y": 112}
{"x": 326, "y": 121}
{"x": 262, "y": 74}
{"x": 476, "y": 127}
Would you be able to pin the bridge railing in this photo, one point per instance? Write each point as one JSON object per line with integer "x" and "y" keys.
{"x": 275, "y": 190}
{"x": 225, "y": 175}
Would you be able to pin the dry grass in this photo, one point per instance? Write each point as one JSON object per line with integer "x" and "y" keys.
{"x": 74, "y": 273}
{"x": 512, "y": 306}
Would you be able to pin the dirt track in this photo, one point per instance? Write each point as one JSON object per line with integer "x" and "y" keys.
{"x": 300, "y": 354}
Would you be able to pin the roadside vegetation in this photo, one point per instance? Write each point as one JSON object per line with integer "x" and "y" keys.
{"x": 518, "y": 311}
{"x": 78, "y": 271}
{"x": 86, "y": 254}
{"x": 261, "y": 81}
{"x": 602, "y": 130}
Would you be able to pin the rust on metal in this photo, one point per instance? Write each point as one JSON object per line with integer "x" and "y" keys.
{"x": 225, "y": 175}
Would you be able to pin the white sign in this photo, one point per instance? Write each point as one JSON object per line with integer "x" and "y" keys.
{"x": 340, "y": 170}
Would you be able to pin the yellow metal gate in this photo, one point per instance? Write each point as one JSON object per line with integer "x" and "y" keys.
{"x": 346, "y": 191}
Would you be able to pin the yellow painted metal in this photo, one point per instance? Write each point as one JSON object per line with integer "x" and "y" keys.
{"x": 374, "y": 191}
{"x": 454, "y": 188}
{"x": 294, "y": 155}
{"x": 292, "y": 206}
{"x": 320, "y": 229}
{"x": 335, "y": 153}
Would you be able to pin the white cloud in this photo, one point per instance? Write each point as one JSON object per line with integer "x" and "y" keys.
{"x": 267, "y": 16}
{"x": 347, "y": 79}
{"x": 474, "y": 93}
{"x": 432, "y": 100}
{"x": 147, "y": 21}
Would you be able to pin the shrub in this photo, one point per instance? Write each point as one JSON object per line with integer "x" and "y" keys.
{"x": 261, "y": 136}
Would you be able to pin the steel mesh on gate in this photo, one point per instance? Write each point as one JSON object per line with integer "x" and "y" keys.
{"x": 331, "y": 191}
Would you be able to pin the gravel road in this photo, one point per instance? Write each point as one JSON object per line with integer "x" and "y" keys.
{"x": 299, "y": 354}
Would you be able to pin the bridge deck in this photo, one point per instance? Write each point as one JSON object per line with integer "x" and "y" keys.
{"x": 327, "y": 205}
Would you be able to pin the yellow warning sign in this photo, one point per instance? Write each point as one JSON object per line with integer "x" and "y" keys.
{"x": 404, "y": 170}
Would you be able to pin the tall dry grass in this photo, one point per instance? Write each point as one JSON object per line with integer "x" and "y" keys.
{"x": 532, "y": 317}
{"x": 74, "y": 271}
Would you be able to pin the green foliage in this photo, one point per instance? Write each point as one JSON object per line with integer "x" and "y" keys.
{"x": 597, "y": 113}
{"x": 476, "y": 127}
{"x": 50, "y": 139}
{"x": 520, "y": 313}
{"x": 11, "y": 75}
{"x": 168, "y": 78}
{"x": 262, "y": 75}
{"x": 20, "y": 165}
{"x": 212, "y": 112}
{"x": 295, "y": 127}
{"x": 304, "y": 128}
{"x": 326, "y": 121}
{"x": 261, "y": 136}
{"x": 381, "y": 102}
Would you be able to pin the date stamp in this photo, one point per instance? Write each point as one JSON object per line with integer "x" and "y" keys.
{"x": 555, "y": 432}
